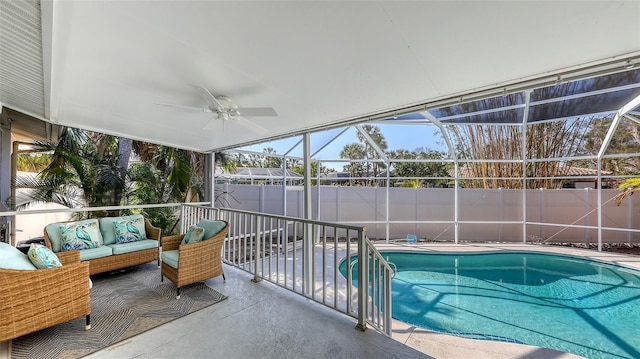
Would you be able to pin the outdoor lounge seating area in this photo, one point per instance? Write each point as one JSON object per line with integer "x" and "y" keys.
{"x": 108, "y": 244}
{"x": 40, "y": 291}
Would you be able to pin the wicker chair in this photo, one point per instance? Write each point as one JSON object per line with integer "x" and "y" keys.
{"x": 196, "y": 261}
{"x": 31, "y": 300}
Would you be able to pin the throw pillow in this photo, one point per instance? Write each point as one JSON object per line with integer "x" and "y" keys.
{"x": 211, "y": 228}
{"x": 193, "y": 235}
{"x": 42, "y": 257}
{"x": 128, "y": 231}
{"x": 109, "y": 231}
{"x": 80, "y": 235}
{"x": 55, "y": 234}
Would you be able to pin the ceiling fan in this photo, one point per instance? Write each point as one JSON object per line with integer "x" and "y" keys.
{"x": 224, "y": 109}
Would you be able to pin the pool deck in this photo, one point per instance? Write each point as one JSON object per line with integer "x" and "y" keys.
{"x": 260, "y": 319}
{"x": 626, "y": 260}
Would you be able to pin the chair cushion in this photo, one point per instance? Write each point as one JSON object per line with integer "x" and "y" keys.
{"x": 120, "y": 248}
{"x": 171, "y": 258}
{"x": 211, "y": 228}
{"x": 93, "y": 253}
{"x": 108, "y": 229}
{"x": 80, "y": 235}
{"x": 193, "y": 235}
{"x": 12, "y": 258}
{"x": 42, "y": 257}
{"x": 55, "y": 235}
{"x": 129, "y": 230}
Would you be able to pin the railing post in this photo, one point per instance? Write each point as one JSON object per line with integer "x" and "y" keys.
{"x": 308, "y": 243}
{"x": 258, "y": 245}
{"x": 387, "y": 303}
{"x": 363, "y": 284}
{"x": 183, "y": 215}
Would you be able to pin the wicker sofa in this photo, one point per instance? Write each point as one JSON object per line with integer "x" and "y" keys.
{"x": 109, "y": 255}
{"x": 31, "y": 300}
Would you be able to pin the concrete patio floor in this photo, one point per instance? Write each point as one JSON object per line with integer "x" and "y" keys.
{"x": 263, "y": 320}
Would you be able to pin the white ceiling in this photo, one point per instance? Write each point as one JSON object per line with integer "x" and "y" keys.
{"x": 107, "y": 64}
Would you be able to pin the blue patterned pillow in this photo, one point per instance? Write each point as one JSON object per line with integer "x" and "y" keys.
{"x": 42, "y": 257}
{"x": 129, "y": 230}
{"x": 80, "y": 235}
{"x": 193, "y": 235}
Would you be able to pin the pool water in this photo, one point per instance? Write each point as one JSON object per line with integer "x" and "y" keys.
{"x": 569, "y": 304}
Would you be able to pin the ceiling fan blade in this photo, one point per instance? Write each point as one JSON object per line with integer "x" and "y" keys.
{"x": 207, "y": 96}
{"x": 211, "y": 124}
{"x": 257, "y": 112}
{"x": 250, "y": 125}
{"x": 185, "y": 107}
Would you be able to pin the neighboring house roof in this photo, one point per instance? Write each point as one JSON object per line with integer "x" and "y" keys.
{"x": 257, "y": 173}
{"x": 572, "y": 171}
{"x": 580, "y": 171}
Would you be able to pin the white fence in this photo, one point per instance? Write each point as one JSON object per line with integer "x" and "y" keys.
{"x": 567, "y": 215}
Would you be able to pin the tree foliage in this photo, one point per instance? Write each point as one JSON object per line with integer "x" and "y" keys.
{"x": 361, "y": 153}
{"x": 88, "y": 169}
{"x": 501, "y": 148}
{"x": 420, "y": 169}
{"x": 626, "y": 139}
{"x": 33, "y": 162}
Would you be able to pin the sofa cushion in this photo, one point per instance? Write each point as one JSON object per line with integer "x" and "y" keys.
{"x": 42, "y": 257}
{"x": 80, "y": 235}
{"x": 93, "y": 253}
{"x": 108, "y": 229}
{"x": 193, "y": 235}
{"x": 170, "y": 257}
{"x": 211, "y": 228}
{"x": 12, "y": 258}
{"x": 120, "y": 248}
{"x": 55, "y": 235}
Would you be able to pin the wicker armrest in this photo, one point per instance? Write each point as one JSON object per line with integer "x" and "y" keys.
{"x": 31, "y": 300}
{"x": 151, "y": 231}
{"x": 69, "y": 257}
{"x": 170, "y": 243}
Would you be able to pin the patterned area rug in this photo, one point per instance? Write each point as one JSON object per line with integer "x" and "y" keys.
{"x": 123, "y": 304}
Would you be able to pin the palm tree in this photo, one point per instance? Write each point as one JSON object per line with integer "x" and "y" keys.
{"x": 271, "y": 161}
{"x": 353, "y": 151}
{"x": 370, "y": 152}
{"x": 79, "y": 174}
{"x": 627, "y": 188}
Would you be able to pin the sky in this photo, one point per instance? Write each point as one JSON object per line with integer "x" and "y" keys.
{"x": 407, "y": 137}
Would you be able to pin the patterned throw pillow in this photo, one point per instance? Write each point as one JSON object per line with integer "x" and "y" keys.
{"x": 80, "y": 235}
{"x": 129, "y": 230}
{"x": 193, "y": 235}
{"x": 42, "y": 257}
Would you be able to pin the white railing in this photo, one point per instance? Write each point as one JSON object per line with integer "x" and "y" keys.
{"x": 306, "y": 257}
{"x": 300, "y": 255}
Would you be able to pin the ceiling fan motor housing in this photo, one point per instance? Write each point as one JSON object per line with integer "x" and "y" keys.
{"x": 227, "y": 108}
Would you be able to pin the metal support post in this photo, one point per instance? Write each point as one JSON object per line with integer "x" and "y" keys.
{"x": 257, "y": 258}
{"x": 363, "y": 283}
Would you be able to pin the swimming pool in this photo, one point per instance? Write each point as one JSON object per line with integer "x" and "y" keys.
{"x": 569, "y": 304}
